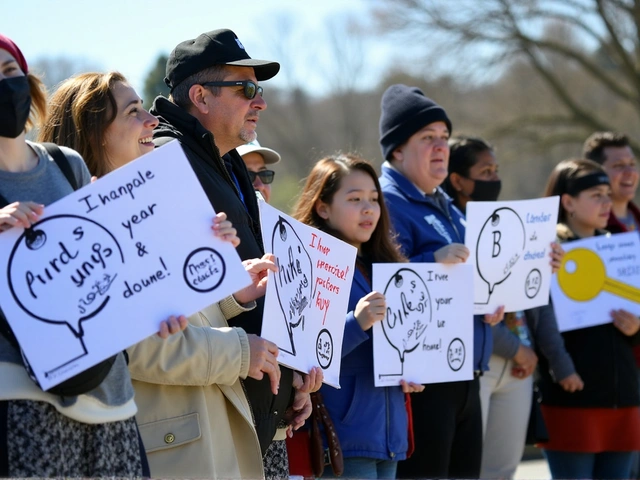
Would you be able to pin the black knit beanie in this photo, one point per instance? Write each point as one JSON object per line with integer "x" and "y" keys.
{"x": 405, "y": 110}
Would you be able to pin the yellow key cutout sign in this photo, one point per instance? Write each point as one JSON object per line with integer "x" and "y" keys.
{"x": 582, "y": 276}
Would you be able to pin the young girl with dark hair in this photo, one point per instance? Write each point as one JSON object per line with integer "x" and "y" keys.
{"x": 592, "y": 432}
{"x": 342, "y": 196}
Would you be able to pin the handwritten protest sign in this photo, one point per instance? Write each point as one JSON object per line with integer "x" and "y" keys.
{"x": 510, "y": 244}
{"x": 105, "y": 265}
{"x": 597, "y": 275}
{"x": 306, "y": 301}
{"x": 427, "y": 333}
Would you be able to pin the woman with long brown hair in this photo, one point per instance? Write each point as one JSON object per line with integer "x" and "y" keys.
{"x": 84, "y": 427}
{"x": 102, "y": 116}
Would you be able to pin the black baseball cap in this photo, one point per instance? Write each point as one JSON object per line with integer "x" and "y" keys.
{"x": 219, "y": 47}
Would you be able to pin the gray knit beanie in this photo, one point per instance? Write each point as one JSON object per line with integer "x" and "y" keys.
{"x": 405, "y": 110}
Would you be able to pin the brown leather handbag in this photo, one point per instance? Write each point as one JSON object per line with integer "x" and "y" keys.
{"x": 333, "y": 455}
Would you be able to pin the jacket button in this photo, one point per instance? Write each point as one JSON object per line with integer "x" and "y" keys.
{"x": 169, "y": 438}
{"x": 392, "y": 455}
{"x": 275, "y": 412}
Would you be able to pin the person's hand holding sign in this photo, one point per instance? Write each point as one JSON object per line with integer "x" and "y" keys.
{"x": 258, "y": 269}
{"x": 452, "y": 253}
{"x": 172, "y": 325}
{"x": 370, "y": 309}
{"x": 626, "y": 322}
{"x": 223, "y": 229}
{"x": 21, "y": 214}
{"x": 556, "y": 254}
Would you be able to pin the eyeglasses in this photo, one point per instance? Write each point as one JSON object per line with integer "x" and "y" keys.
{"x": 266, "y": 176}
{"x": 250, "y": 87}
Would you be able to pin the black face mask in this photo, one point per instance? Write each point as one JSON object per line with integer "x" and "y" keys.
{"x": 15, "y": 105}
{"x": 486, "y": 190}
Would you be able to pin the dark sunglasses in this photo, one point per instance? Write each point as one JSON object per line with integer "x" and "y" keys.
{"x": 266, "y": 176}
{"x": 250, "y": 87}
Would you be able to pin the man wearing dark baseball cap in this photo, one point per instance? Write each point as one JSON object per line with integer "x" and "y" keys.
{"x": 214, "y": 107}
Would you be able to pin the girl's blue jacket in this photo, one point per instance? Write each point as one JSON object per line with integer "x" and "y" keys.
{"x": 370, "y": 421}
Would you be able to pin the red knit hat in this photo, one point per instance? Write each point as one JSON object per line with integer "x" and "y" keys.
{"x": 7, "y": 44}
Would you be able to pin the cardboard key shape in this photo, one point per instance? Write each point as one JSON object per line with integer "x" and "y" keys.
{"x": 582, "y": 276}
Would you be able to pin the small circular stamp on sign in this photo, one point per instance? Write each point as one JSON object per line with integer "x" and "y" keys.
{"x": 324, "y": 348}
{"x": 456, "y": 354}
{"x": 204, "y": 269}
{"x": 532, "y": 283}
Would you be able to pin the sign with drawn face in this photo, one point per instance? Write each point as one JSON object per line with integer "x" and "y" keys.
{"x": 429, "y": 321}
{"x": 597, "y": 275}
{"x": 306, "y": 300}
{"x": 105, "y": 265}
{"x": 510, "y": 244}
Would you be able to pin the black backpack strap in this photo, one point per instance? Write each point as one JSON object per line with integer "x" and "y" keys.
{"x": 62, "y": 162}
{"x": 6, "y": 332}
{"x": 3, "y": 201}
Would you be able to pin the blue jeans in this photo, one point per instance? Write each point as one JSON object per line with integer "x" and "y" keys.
{"x": 605, "y": 465}
{"x": 363, "y": 467}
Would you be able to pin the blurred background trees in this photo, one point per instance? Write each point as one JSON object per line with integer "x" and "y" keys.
{"x": 534, "y": 77}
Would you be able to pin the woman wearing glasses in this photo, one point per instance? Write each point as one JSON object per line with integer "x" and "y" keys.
{"x": 182, "y": 386}
{"x": 256, "y": 158}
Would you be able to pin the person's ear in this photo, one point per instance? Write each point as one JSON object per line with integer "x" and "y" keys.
{"x": 567, "y": 203}
{"x": 397, "y": 155}
{"x": 456, "y": 181}
{"x": 322, "y": 209}
{"x": 198, "y": 97}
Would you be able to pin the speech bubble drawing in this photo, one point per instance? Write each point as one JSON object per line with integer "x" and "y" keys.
{"x": 68, "y": 258}
{"x": 294, "y": 280}
{"x": 409, "y": 313}
{"x": 496, "y": 254}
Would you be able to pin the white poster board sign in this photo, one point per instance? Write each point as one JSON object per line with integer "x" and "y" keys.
{"x": 598, "y": 274}
{"x": 427, "y": 334}
{"x": 306, "y": 301}
{"x": 509, "y": 244}
{"x": 105, "y": 265}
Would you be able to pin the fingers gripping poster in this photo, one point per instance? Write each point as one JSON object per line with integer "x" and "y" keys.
{"x": 509, "y": 245}
{"x": 597, "y": 275}
{"x": 306, "y": 300}
{"x": 105, "y": 265}
{"x": 426, "y": 335}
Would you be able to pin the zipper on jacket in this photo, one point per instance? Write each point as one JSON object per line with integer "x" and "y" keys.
{"x": 224, "y": 167}
{"x": 447, "y": 213}
{"x": 453, "y": 224}
{"x": 257, "y": 235}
